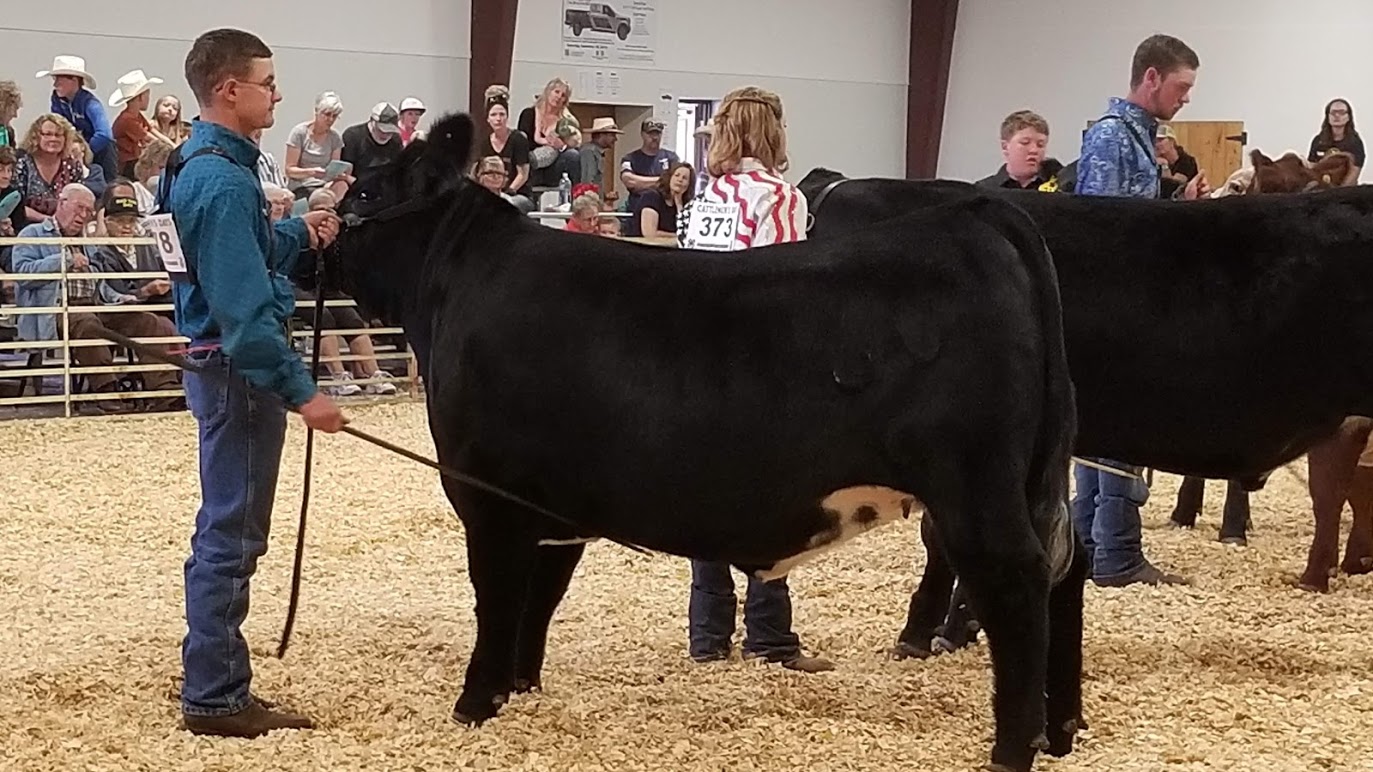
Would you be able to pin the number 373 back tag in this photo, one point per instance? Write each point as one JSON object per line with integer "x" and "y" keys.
{"x": 712, "y": 226}
{"x": 163, "y": 230}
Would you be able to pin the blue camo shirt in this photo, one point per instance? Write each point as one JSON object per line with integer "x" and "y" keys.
{"x": 1114, "y": 160}
{"x": 242, "y": 298}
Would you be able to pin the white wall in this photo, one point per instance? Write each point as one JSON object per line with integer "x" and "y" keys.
{"x": 1270, "y": 63}
{"x": 840, "y": 68}
{"x": 365, "y": 51}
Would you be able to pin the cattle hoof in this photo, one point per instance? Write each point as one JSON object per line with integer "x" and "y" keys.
{"x": 941, "y": 645}
{"x": 525, "y": 685}
{"x": 1040, "y": 743}
{"x": 1309, "y": 585}
{"x": 1238, "y": 541}
{"x": 1061, "y": 740}
{"x": 1357, "y": 567}
{"x": 903, "y": 650}
{"x": 1173, "y": 522}
{"x": 465, "y": 714}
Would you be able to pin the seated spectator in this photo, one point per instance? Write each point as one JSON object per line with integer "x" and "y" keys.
{"x": 374, "y": 143}
{"x": 147, "y": 170}
{"x": 14, "y": 221}
{"x": 279, "y": 200}
{"x": 94, "y": 174}
{"x": 411, "y": 110}
{"x": 1176, "y": 167}
{"x": 1338, "y": 133}
{"x": 75, "y": 208}
{"x": 123, "y": 219}
{"x": 586, "y": 210}
{"x": 47, "y": 165}
{"x": 511, "y": 146}
{"x": 11, "y": 102}
{"x": 491, "y": 174}
{"x": 654, "y": 214}
{"x": 167, "y": 120}
{"x": 73, "y": 98}
{"x": 549, "y": 124}
{"x": 322, "y": 199}
{"x": 312, "y": 145}
{"x": 608, "y": 227}
{"x": 132, "y": 131}
{"x": 641, "y": 169}
{"x": 1024, "y": 139}
{"x": 604, "y": 133}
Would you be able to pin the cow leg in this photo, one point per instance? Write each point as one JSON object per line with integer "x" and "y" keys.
{"x": 1234, "y": 525}
{"x": 552, "y": 574}
{"x": 930, "y": 601}
{"x": 987, "y": 535}
{"x": 500, "y": 562}
{"x": 960, "y": 627}
{"x": 1330, "y": 466}
{"x": 1191, "y": 496}
{"x": 1063, "y": 691}
{"x": 1358, "y": 552}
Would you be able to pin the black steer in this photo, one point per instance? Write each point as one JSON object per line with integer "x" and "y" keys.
{"x": 1219, "y": 338}
{"x": 753, "y": 408}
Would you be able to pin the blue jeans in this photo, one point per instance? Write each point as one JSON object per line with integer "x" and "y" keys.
{"x": 1106, "y": 517}
{"x": 767, "y": 615}
{"x": 241, "y": 433}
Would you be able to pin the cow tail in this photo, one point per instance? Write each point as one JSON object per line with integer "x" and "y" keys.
{"x": 1047, "y": 483}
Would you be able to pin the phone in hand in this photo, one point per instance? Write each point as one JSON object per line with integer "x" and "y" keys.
{"x": 336, "y": 169}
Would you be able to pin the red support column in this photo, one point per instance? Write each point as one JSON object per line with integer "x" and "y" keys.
{"x": 932, "y": 29}
{"x": 493, "y": 49}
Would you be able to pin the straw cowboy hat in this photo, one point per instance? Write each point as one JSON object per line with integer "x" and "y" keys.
{"x": 63, "y": 64}
{"x": 131, "y": 84}
{"x": 604, "y": 126}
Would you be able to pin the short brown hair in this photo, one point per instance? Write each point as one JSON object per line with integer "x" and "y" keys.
{"x": 1023, "y": 119}
{"x": 1164, "y": 53}
{"x": 219, "y": 54}
{"x": 7, "y": 156}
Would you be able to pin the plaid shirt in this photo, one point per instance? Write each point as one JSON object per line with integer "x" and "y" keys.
{"x": 80, "y": 292}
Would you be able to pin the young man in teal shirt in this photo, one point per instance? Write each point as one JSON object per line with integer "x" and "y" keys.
{"x": 233, "y": 304}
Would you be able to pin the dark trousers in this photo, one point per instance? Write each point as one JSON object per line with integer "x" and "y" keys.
{"x": 767, "y": 615}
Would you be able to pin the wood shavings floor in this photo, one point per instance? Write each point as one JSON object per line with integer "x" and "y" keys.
{"x": 1241, "y": 672}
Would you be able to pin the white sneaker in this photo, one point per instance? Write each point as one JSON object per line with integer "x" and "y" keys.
{"x": 385, "y": 387}
{"x": 342, "y": 386}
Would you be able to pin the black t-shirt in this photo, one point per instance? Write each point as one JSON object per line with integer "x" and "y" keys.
{"x": 1352, "y": 144}
{"x": 515, "y": 153}
{"x": 651, "y": 199}
{"x": 364, "y": 153}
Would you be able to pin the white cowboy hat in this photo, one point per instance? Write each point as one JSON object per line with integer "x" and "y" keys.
{"x": 412, "y": 103}
{"x": 63, "y": 64}
{"x": 131, "y": 84}
{"x": 604, "y": 126}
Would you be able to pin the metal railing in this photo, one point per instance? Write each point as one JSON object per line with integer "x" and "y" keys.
{"x": 40, "y": 365}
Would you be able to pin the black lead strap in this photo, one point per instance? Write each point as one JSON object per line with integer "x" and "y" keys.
{"x": 298, "y": 566}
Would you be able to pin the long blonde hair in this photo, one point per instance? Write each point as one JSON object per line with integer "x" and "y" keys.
{"x": 749, "y": 124}
{"x": 70, "y": 134}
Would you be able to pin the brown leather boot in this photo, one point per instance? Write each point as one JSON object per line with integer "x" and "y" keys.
{"x": 252, "y": 721}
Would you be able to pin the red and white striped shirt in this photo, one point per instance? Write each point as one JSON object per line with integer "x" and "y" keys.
{"x": 771, "y": 210}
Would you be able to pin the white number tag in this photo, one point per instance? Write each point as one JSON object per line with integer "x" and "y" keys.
{"x": 712, "y": 226}
{"x": 163, "y": 230}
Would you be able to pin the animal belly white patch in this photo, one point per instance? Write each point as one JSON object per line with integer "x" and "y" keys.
{"x": 853, "y": 511}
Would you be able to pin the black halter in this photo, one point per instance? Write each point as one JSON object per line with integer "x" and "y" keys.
{"x": 820, "y": 199}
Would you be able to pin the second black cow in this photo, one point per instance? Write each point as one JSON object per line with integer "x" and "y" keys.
{"x": 1219, "y": 338}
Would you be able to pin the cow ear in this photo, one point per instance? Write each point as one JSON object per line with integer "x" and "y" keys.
{"x": 450, "y": 141}
{"x": 1259, "y": 159}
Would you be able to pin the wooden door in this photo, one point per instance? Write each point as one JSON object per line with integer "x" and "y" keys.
{"x": 1218, "y": 146}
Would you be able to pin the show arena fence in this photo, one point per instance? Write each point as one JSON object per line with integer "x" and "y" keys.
{"x": 48, "y": 358}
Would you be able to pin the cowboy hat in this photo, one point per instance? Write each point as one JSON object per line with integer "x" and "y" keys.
{"x": 604, "y": 126}
{"x": 131, "y": 84}
{"x": 63, "y": 64}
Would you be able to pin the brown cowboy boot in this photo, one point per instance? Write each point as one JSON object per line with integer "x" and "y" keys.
{"x": 253, "y": 721}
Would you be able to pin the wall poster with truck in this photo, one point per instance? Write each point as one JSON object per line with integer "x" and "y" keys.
{"x": 618, "y": 32}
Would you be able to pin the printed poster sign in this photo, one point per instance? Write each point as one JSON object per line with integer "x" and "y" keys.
{"x": 618, "y": 32}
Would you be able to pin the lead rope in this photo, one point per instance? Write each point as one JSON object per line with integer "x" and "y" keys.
{"x": 309, "y": 462}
